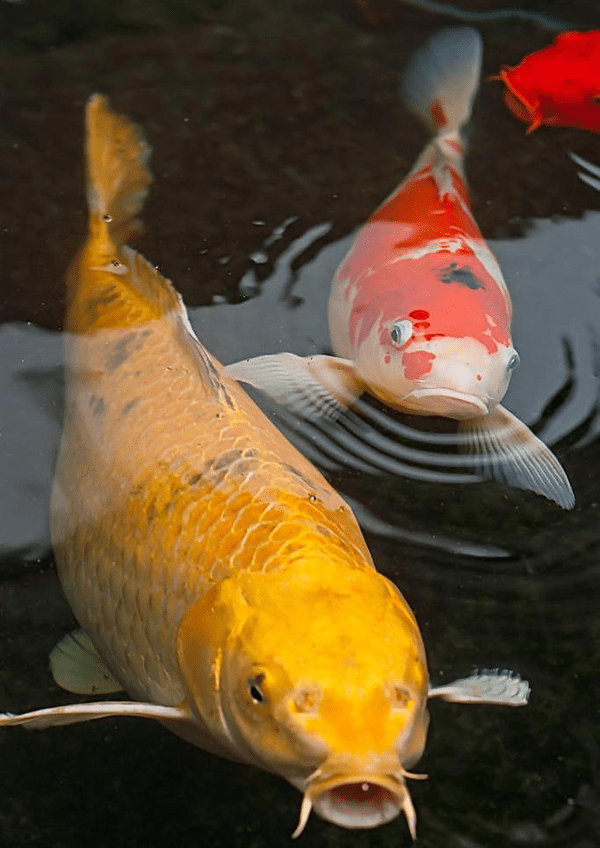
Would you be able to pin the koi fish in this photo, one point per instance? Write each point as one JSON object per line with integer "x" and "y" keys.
{"x": 419, "y": 312}
{"x": 558, "y": 86}
{"x": 217, "y": 577}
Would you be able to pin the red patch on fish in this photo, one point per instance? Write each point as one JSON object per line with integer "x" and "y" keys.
{"x": 437, "y": 114}
{"x": 417, "y": 364}
{"x": 559, "y": 85}
{"x": 449, "y": 293}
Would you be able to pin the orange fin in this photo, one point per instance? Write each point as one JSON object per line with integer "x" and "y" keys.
{"x": 118, "y": 177}
{"x": 505, "y": 449}
{"x": 313, "y": 386}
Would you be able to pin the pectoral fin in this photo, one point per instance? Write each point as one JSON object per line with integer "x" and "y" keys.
{"x": 508, "y": 451}
{"x": 313, "y": 386}
{"x": 487, "y": 687}
{"x": 73, "y": 713}
{"x": 77, "y": 666}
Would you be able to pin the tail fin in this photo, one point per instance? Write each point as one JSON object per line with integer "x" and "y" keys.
{"x": 441, "y": 80}
{"x": 118, "y": 177}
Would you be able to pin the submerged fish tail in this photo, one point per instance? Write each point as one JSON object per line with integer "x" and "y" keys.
{"x": 441, "y": 80}
{"x": 117, "y": 171}
{"x": 109, "y": 284}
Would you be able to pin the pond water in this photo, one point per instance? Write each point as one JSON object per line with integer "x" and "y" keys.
{"x": 275, "y": 134}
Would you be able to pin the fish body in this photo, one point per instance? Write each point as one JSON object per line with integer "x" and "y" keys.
{"x": 419, "y": 312}
{"x": 558, "y": 86}
{"x": 218, "y": 579}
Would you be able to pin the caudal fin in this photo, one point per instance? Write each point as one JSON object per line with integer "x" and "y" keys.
{"x": 118, "y": 177}
{"x": 441, "y": 80}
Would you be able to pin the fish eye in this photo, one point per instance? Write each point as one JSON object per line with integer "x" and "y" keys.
{"x": 513, "y": 362}
{"x": 255, "y": 688}
{"x": 401, "y": 331}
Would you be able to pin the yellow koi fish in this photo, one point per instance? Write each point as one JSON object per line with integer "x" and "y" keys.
{"x": 419, "y": 312}
{"x": 217, "y": 577}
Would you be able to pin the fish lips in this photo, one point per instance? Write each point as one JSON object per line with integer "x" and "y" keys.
{"x": 447, "y": 402}
{"x": 358, "y": 801}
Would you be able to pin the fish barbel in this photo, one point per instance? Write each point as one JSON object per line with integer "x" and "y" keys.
{"x": 419, "y": 312}
{"x": 217, "y": 577}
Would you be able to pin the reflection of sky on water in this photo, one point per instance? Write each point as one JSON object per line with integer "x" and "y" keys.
{"x": 30, "y": 392}
{"x": 553, "y": 278}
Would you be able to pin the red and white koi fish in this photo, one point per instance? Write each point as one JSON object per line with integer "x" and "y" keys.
{"x": 419, "y": 312}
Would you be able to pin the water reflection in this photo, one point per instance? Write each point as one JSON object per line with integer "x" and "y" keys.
{"x": 495, "y": 579}
{"x": 30, "y": 422}
{"x": 553, "y": 280}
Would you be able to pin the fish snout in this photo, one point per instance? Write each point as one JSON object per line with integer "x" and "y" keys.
{"x": 452, "y": 388}
{"x": 357, "y": 800}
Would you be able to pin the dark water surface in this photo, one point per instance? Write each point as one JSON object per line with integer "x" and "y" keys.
{"x": 276, "y": 130}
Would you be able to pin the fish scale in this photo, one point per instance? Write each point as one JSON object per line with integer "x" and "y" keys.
{"x": 217, "y": 577}
{"x": 157, "y": 471}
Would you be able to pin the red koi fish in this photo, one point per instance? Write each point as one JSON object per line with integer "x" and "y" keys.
{"x": 559, "y": 85}
{"x": 419, "y": 313}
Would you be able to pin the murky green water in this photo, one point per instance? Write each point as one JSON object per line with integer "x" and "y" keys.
{"x": 275, "y": 133}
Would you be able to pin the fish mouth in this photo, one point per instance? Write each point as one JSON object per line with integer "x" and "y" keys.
{"x": 440, "y": 401}
{"x": 358, "y": 801}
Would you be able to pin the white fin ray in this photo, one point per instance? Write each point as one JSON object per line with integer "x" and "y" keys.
{"x": 77, "y": 666}
{"x": 74, "y": 713}
{"x": 590, "y": 174}
{"x": 315, "y": 387}
{"x": 446, "y": 69}
{"x": 509, "y": 452}
{"x": 486, "y": 687}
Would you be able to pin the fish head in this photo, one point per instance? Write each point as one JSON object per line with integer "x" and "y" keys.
{"x": 325, "y": 687}
{"x": 435, "y": 374}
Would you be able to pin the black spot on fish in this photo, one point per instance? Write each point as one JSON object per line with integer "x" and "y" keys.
{"x": 97, "y": 405}
{"x": 151, "y": 512}
{"x": 233, "y": 463}
{"x": 226, "y": 459}
{"x": 102, "y": 298}
{"x": 463, "y": 276}
{"x": 210, "y": 373}
{"x": 129, "y": 406}
{"x": 297, "y": 473}
{"x": 122, "y": 350}
{"x": 244, "y": 468}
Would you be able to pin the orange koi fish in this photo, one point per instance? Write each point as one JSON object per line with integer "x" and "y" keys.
{"x": 217, "y": 577}
{"x": 559, "y": 85}
{"x": 419, "y": 313}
